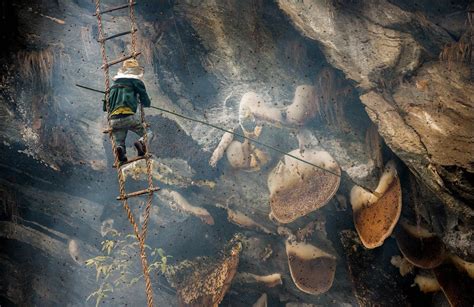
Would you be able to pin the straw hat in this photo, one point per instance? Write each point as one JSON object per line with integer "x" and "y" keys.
{"x": 130, "y": 69}
{"x": 130, "y": 63}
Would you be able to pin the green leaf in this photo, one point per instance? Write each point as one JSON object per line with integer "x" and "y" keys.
{"x": 134, "y": 281}
{"x": 161, "y": 252}
{"x": 90, "y": 262}
{"x": 98, "y": 274}
{"x": 92, "y": 295}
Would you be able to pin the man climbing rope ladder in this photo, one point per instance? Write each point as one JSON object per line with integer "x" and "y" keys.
{"x": 127, "y": 91}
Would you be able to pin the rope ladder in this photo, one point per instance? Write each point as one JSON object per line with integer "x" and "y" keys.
{"x": 140, "y": 234}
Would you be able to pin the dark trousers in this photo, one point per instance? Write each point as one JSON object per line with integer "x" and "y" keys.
{"x": 120, "y": 127}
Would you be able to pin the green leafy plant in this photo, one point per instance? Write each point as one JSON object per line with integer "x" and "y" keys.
{"x": 117, "y": 268}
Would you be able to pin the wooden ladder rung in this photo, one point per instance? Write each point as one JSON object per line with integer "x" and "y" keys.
{"x": 138, "y": 193}
{"x": 120, "y": 60}
{"x": 115, "y": 8}
{"x": 137, "y": 158}
{"x": 116, "y": 35}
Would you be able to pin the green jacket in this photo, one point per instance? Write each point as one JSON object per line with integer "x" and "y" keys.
{"x": 127, "y": 92}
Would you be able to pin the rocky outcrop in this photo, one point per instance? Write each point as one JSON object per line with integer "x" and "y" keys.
{"x": 372, "y": 42}
{"x": 423, "y": 108}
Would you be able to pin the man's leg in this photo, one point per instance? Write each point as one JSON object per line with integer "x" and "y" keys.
{"x": 138, "y": 128}
{"x": 119, "y": 133}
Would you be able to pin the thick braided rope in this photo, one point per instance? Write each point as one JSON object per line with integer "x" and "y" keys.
{"x": 133, "y": 27}
{"x": 145, "y": 126}
{"x": 149, "y": 177}
{"x": 142, "y": 235}
{"x": 149, "y": 290}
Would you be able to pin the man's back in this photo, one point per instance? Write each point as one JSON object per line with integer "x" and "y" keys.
{"x": 125, "y": 95}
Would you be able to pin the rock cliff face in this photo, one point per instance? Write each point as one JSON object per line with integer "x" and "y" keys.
{"x": 393, "y": 80}
{"x": 417, "y": 101}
